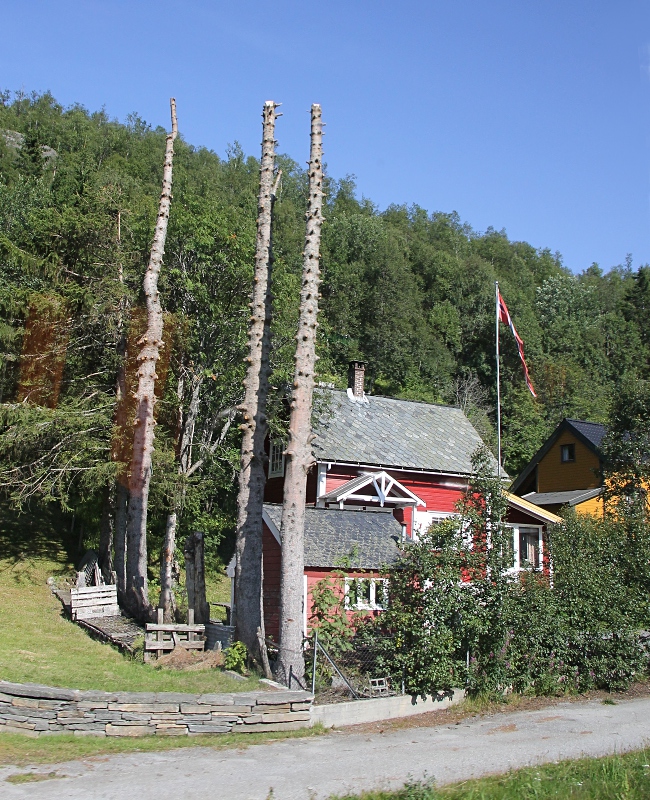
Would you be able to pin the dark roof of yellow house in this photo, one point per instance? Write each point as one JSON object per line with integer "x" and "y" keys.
{"x": 591, "y": 434}
{"x": 573, "y": 498}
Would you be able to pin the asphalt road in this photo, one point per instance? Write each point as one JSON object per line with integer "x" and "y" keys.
{"x": 313, "y": 769}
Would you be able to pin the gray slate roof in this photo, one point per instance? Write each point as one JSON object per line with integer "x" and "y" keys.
{"x": 593, "y": 431}
{"x": 332, "y": 535}
{"x": 572, "y": 498}
{"x": 388, "y": 432}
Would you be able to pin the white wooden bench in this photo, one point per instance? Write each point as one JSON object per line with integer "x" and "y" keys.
{"x": 94, "y": 601}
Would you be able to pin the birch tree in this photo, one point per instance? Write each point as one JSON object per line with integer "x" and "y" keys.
{"x": 299, "y": 458}
{"x": 252, "y": 478}
{"x": 140, "y": 473}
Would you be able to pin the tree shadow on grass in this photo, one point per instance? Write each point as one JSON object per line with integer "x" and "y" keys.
{"x": 42, "y": 532}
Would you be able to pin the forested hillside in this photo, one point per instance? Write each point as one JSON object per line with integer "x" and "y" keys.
{"x": 409, "y": 291}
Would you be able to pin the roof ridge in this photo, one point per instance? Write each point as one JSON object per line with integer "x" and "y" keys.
{"x": 396, "y": 399}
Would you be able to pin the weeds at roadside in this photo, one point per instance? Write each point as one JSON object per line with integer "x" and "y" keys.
{"x": 620, "y": 776}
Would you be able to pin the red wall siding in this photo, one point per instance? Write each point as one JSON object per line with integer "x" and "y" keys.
{"x": 271, "y": 556}
{"x": 518, "y": 517}
{"x": 274, "y": 489}
{"x": 338, "y": 475}
{"x": 314, "y": 575}
{"x": 312, "y": 480}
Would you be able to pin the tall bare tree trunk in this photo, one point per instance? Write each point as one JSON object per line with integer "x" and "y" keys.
{"x": 252, "y": 478}
{"x": 137, "y": 596}
{"x": 106, "y": 529}
{"x": 121, "y": 503}
{"x": 299, "y": 458}
{"x": 195, "y": 577}
{"x": 187, "y": 426}
{"x": 121, "y": 491}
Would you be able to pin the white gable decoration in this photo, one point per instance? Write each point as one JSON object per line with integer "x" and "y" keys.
{"x": 372, "y": 487}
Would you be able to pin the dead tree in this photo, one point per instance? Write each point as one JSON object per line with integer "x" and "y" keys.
{"x": 298, "y": 455}
{"x": 195, "y": 577}
{"x": 137, "y": 597}
{"x": 186, "y": 436}
{"x": 252, "y": 477}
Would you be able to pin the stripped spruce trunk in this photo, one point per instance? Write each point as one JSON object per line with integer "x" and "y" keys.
{"x": 194, "y": 552}
{"x": 106, "y": 530}
{"x": 121, "y": 490}
{"x": 119, "y": 564}
{"x": 252, "y": 477}
{"x": 137, "y": 596}
{"x": 298, "y": 455}
{"x": 187, "y": 427}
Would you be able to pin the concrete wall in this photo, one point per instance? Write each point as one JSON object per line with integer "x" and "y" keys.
{"x": 37, "y": 710}
{"x": 380, "y": 708}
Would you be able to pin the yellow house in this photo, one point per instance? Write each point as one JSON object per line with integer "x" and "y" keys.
{"x": 567, "y": 470}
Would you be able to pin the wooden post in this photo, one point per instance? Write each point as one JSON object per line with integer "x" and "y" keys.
{"x": 195, "y": 577}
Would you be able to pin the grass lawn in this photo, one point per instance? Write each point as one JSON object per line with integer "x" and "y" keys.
{"x": 38, "y": 644}
{"x": 620, "y": 777}
{"x": 19, "y": 751}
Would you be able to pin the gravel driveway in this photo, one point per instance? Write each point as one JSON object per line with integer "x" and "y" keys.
{"x": 340, "y": 762}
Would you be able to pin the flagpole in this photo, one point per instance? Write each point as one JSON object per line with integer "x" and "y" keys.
{"x": 496, "y": 290}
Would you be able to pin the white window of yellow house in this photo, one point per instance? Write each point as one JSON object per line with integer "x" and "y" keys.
{"x": 276, "y": 459}
{"x": 527, "y": 547}
{"x": 366, "y": 594}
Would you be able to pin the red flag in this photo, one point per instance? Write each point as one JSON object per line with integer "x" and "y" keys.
{"x": 504, "y": 316}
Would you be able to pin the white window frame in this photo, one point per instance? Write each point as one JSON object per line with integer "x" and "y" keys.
{"x": 517, "y": 567}
{"x": 423, "y": 520}
{"x": 376, "y": 601}
{"x": 276, "y": 472}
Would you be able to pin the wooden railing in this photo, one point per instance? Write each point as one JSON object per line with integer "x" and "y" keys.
{"x": 162, "y": 637}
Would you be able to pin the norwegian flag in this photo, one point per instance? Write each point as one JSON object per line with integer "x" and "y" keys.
{"x": 504, "y": 316}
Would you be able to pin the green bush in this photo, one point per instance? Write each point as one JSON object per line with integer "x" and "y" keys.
{"x": 236, "y": 657}
{"x": 458, "y": 617}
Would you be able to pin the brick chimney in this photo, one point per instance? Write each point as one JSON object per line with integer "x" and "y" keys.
{"x": 356, "y": 374}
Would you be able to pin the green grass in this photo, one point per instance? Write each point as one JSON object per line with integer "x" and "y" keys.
{"x": 20, "y": 751}
{"x": 619, "y": 777}
{"x": 38, "y": 644}
{"x": 31, "y": 777}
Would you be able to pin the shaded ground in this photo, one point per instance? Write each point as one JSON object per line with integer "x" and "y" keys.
{"x": 346, "y": 762}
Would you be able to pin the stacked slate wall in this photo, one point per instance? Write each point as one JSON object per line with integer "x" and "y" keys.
{"x": 37, "y": 710}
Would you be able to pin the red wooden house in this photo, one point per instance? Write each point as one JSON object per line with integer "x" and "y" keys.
{"x": 385, "y": 469}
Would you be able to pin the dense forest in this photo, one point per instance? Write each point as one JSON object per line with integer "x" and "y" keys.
{"x": 408, "y": 291}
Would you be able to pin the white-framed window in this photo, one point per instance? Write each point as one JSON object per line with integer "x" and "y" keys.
{"x": 528, "y": 547}
{"x": 276, "y": 459}
{"x": 366, "y": 594}
{"x": 423, "y": 520}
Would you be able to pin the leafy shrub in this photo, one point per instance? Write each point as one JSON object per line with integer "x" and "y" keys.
{"x": 457, "y": 616}
{"x": 236, "y": 657}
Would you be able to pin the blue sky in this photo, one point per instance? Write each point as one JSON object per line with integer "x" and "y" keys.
{"x": 530, "y": 116}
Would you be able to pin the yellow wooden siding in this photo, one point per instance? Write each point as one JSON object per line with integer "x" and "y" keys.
{"x": 555, "y": 476}
{"x": 593, "y": 507}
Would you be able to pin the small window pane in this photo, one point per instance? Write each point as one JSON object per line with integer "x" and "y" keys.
{"x": 568, "y": 453}
{"x": 529, "y": 547}
{"x": 276, "y": 460}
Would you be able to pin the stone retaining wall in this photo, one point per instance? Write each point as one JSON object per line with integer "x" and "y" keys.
{"x": 41, "y": 710}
